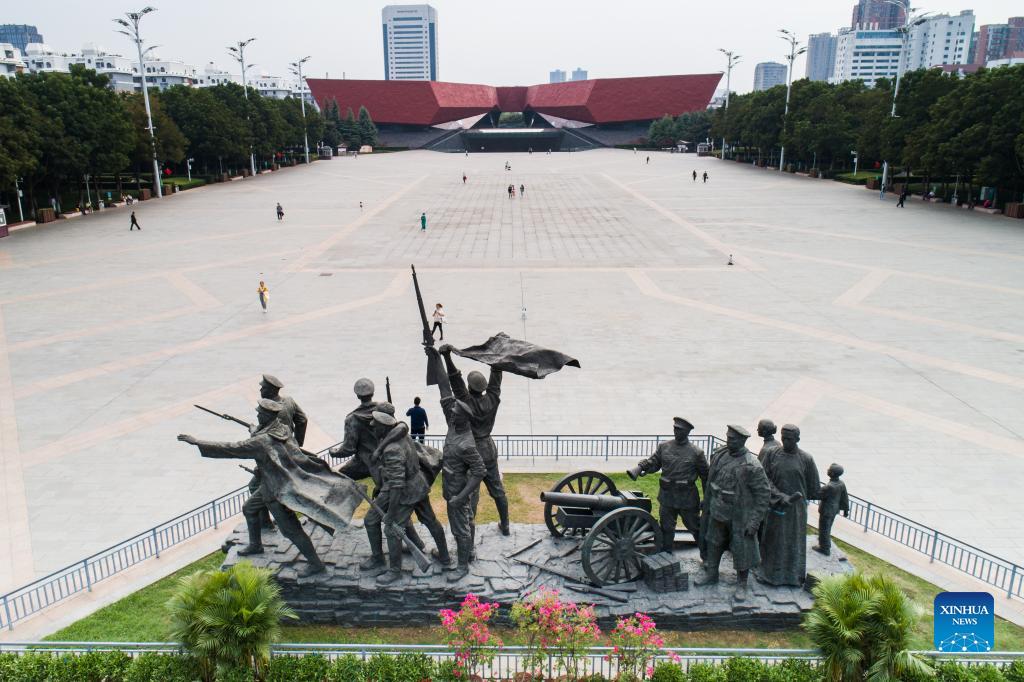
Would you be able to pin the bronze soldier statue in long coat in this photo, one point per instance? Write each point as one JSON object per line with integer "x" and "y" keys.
{"x": 737, "y": 494}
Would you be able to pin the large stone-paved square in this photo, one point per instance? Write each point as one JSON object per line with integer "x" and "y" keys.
{"x": 893, "y": 338}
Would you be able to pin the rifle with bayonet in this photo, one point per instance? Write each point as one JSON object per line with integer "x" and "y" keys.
{"x": 387, "y": 387}
{"x": 428, "y": 336}
{"x": 417, "y": 554}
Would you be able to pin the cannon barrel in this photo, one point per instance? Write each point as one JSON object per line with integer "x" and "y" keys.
{"x": 594, "y": 502}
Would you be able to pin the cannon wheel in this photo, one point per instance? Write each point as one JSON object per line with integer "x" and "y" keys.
{"x": 579, "y": 483}
{"x": 612, "y": 550}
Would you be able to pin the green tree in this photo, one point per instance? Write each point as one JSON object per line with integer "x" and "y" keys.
{"x": 228, "y": 619}
{"x": 20, "y": 129}
{"x": 366, "y": 130}
{"x": 349, "y": 130}
{"x": 214, "y": 132}
{"x": 170, "y": 142}
{"x": 694, "y": 126}
{"x": 662, "y": 132}
{"x": 333, "y": 127}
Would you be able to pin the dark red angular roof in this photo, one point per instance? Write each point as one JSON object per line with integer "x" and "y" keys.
{"x": 601, "y": 100}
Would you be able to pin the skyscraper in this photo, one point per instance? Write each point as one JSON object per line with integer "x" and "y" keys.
{"x": 579, "y": 74}
{"x": 768, "y": 75}
{"x": 556, "y": 76}
{"x": 996, "y": 41}
{"x": 866, "y": 55}
{"x": 19, "y": 35}
{"x": 821, "y": 56}
{"x": 940, "y": 40}
{"x": 877, "y": 14}
{"x": 410, "y": 42}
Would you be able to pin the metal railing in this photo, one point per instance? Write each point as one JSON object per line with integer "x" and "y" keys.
{"x": 508, "y": 660}
{"x": 82, "y": 575}
{"x": 1001, "y": 574}
{"x": 580, "y": 446}
{"x": 23, "y": 602}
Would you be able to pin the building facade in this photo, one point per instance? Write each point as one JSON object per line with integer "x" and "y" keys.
{"x": 19, "y": 35}
{"x": 940, "y": 40}
{"x": 11, "y": 62}
{"x": 410, "y": 42}
{"x": 1000, "y": 41}
{"x": 821, "y": 56}
{"x": 121, "y": 71}
{"x": 556, "y": 76}
{"x": 866, "y": 55}
{"x": 877, "y": 14}
{"x": 768, "y": 75}
{"x": 579, "y": 74}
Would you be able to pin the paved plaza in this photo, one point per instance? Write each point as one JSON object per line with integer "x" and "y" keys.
{"x": 893, "y": 338}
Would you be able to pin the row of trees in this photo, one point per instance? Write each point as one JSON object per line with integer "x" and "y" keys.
{"x": 971, "y": 127}
{"x": 693, "y": 127}
{"x": 57, "y": 129}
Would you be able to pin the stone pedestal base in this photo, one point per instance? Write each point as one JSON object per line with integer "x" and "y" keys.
{"x": 344, "y": 595}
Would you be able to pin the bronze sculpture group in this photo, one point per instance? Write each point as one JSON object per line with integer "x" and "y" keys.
{"x": 755, "y": 507}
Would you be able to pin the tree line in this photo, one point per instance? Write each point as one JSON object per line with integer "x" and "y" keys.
{"x": 57, "y": 129}
{"x": 946, "y": 128}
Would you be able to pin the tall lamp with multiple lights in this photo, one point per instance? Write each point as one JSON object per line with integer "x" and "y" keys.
{"x": 793, "y": 52}
{"x": 131, "y": 29}
{"x": 732, "y": 60}
{"x": 297, "y": 70}
{"x": 238, "y": 52}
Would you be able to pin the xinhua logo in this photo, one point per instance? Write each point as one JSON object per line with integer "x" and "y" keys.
{"x": 964, "y": 621}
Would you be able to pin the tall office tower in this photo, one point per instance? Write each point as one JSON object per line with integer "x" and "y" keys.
{"x": 768, "y": 75}
{"x": 579, "y": 74}
{"x": 556, "y": 76}
{"x": 19, "y": 35}
{"x": 410, "y": 42}
{"x": 877, "y": 14}
{"x": 866, "y": 55}
{"x": 821, "y": 56}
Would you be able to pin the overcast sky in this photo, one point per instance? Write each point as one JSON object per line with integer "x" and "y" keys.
{"x": 495, "y": 43}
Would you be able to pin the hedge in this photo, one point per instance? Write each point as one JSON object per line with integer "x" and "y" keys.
{"x": 115, "y": 666}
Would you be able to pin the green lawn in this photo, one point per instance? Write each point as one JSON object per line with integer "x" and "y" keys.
{"x": 141, "y": 617}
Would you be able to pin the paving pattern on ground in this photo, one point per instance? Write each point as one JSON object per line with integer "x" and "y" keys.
{"x": 892, "y": 337}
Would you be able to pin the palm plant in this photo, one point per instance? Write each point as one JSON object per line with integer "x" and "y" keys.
{"x": 228, "y": 619}
{"x": 837, "y": 626}
{"x": 892, "y": 617}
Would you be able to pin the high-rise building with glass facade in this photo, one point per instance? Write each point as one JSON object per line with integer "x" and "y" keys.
{"x": 19, "y": 35}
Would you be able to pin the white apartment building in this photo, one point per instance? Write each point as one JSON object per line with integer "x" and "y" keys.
{"x": 41, "y": 58}
{"x": 940, "y": 40}
{"x": 212, "y": 75}
{"x": 410, "y": 42}
{"x": 121, "y": 70}
{"x": 166, "y": 73}
{"x": 10, "y": 60}
{"x": 866, "y": 55}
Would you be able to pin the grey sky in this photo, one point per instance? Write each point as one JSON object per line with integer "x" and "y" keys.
{"x": 480, "y": 42}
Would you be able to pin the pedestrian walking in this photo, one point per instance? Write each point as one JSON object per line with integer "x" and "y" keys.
{"x": 423, "y": 221}
{"x": 438, "y": 321}
{"x": 418, "y": 422}
{"x": 695, "y": 176}
{"x": 280, "y": 211}
{"x": 360, "y": 206}
{"x": 903, "y": 197}
{"x": 135, "y": 223}
{"x": 648, "y": 161}
{"x": 463, "y": 178}
{"x": 705, "y": 177}
{"x": 510, "y": 190}
{"x": 522, "y": 190}
{"x": 264, "y": 294}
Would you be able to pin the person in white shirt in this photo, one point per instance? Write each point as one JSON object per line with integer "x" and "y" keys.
{"x": 438, "y": 320}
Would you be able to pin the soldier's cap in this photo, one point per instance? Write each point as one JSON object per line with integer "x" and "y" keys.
{"x": 363, "y": 387}
{"x": 837, "y": 468}
{"x": 680, "y": 423}
{"x": 384, "y": 418}
{"x": 792, "y": 428}
{"x": 270, "y": 405}
{"x": 738, "y": 430}
{"x": 386, "y": 408}
{"x": 476, "y": 381}
{"x": 272, "y": 380}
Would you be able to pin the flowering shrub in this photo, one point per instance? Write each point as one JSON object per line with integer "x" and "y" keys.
{"x": 635, "y": 642}
{"x": 554, "y": 629}
{"x": 467, "y": 632}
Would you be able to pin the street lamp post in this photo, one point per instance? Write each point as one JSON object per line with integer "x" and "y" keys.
{"x": 238, "y": 52}
{"x": 732, "y": 60}
{"x": 131, "y": 24}
{"x": 856, "y": 160}
{"x": 910, "y": 20}
{"x": 297, "y": 68}
{"x": 793, "y": 52}
{"x": 17, "y": 192}
{"x": 188, "y": 166}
